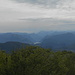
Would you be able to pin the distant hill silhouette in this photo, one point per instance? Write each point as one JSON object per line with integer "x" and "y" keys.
{"x": 9, "y": 46}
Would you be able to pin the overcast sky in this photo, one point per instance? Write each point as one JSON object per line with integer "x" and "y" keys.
{"x": 36, "y": 15}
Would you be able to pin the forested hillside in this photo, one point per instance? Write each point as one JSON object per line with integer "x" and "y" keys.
{"x": 61, "y": 41}
{"x": 37, "y": 61}
{"x": 10, "y": 46}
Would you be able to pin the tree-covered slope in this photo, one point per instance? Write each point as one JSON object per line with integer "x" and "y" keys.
{"x": 9, "y": 46}
{"x": 61, "y": 41}
{"x": 37, "y": 61}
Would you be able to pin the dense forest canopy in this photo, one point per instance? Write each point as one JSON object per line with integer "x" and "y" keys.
{"x": 37, "y": 61}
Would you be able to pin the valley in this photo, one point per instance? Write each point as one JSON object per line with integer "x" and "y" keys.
{"x": 56, "y": 40}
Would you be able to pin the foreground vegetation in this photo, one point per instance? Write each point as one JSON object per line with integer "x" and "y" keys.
{"x": 37, "y": 61}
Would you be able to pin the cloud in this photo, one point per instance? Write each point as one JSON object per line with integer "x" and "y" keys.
{"x": 33, "y": 15}
{"x": 12, "y": 11}
{"x": 51, "y": 3}
{"x": 47, "y": 3}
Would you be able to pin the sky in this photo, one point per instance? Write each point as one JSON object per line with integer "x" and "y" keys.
{"x": 36, "y": 15}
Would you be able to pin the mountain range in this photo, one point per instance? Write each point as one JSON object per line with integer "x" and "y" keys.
{"x": 47, "y": 39}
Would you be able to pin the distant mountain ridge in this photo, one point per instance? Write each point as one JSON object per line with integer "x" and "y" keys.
{"x": 45, "y": 39}
{"x": 61, "y": 41}
{"x": 26, "y": 37}
{"x": 5, "y": 37}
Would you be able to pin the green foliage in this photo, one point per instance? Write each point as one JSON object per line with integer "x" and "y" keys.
{"x": 37, "y": 61}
